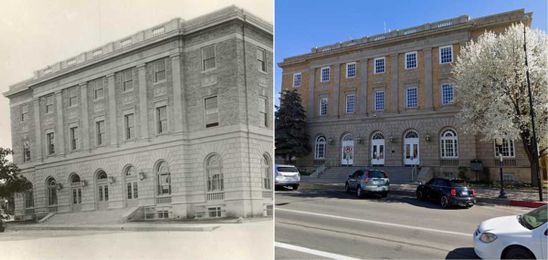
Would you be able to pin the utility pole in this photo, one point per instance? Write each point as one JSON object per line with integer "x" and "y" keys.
{"x": 532, "y": 113}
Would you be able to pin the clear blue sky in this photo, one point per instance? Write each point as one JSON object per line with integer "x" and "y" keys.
{"x": 303, "y": 24}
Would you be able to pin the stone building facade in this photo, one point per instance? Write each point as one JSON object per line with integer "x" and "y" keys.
{"x": 171, "y": 122}
{"x": 389, "y": 100}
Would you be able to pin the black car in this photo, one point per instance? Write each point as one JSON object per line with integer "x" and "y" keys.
{"x": 448, "y": 192}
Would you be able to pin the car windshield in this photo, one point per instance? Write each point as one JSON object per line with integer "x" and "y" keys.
{"x": 376, "y": 174}
{"x": 458, "y": 183}
{"x": 287, "y": 169}
{"x": 534, "y": 218}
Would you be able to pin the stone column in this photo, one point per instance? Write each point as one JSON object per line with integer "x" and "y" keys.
{"x": 59, "y": 133}
{"x": 143, "y": 101}
{"x": 84, "y": 116}
{"x": 178, "y": 112}
{"x": 336, "y": 87}
{"x": 112, "y": 109}
{"x": 427, "y": 78}
{"x": 311, "y": 94}
{"x": 363, "y": 86}
{"x": 37, "y": 126}
{"x": 394, "y": 83}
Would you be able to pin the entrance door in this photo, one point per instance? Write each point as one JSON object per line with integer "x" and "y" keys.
{"x": 347, "y": 151}
{"x": 102, "y": 190}
{"x": 132, "y": 191}
{"x": 411, "y": 148}
{"x": 76, "y": 198}
{"x": 377, "y": 149}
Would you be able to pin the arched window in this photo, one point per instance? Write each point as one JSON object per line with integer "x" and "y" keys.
{"x": 214, "y": 174}
{"x": 449, "y": 144}
{"x": 164, "y": 179}
{"x": 130, "y": 171}
{"x": 265, "y": 165}
{"x": 101, "y": 175}
{"x": 377, "y": 136}
{"x": 52, "y": 191}
{"x": 132, "y": 184}
{"x": 320, "y": 148}
{"x": 411, "y": 134}
{"x": 74, "y": 178}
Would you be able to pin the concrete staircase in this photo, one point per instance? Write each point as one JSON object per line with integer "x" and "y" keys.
{"x": 339, "y": 174}
{"x": 112, "y": 216}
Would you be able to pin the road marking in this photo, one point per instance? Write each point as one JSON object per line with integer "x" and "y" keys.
{"x": 376, "y": 222}
{"x": 313, "y": 251}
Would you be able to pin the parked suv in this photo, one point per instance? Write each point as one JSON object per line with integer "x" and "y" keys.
{"x": 287, "y": 176}
{"x": 368, "y": 181}
{"x": 448, "y": 192}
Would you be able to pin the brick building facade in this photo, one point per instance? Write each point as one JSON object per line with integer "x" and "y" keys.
{"x": 389, "y": 100}
{"x": 173, "y": 122}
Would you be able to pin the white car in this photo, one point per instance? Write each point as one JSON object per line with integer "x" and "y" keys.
{"x": 513, "y": 237}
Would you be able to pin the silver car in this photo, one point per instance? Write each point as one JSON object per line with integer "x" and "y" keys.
{"x": 368, "y": 181}
{"x": 287, "y": 176}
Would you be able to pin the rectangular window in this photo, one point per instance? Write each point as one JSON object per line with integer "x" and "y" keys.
{"x": 350, "y": 103}
{"x": 73, "y": 96}
{"x": 135, "y": 190}
{"x": 159, "y": 70}
{"x": 74, "y": 136}
{"x": 261, "y": 58}
{"x": 411, "y": 97}
{"x": 447, "y": 95}
{"x": 129, "y": 191}
{"x": 262, "y": 111}
{"x": 161, "y": 115}
{"x": 446, "y": 54}
{"x": 379, "y": 100}
{"x": 379, "y": 65}
{"x": 297, "y": 79}
{"x": 507, "y": 149}
{"x": 49, "y": 104}
{"x": 51, "y": 142}
{"x": 24, "y": 112}
{"x": 29, "y": 199}
{"x": 132, "y": 190}
{"x": 325, "y": 74}
{"x": 26, "y": 151}
{"x": 211, "y": 112}
{"x": 411, "y": 60}
{"x": 323, "y": 106}
{"x": 351, "y": 70}
{"x": 100, "y": 129}
{"x": 97, "y": 86}
{"x": 130, "y": 126}
{"x": 214, "y": 212}
{"x": 127, "y": 80}
{"x": 208, "y": 57}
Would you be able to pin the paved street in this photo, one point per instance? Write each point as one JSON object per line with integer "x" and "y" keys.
{"x": 251, "y": 240}
{"x": 319, "y": 222}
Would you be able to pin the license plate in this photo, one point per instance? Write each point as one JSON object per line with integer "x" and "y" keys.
{"x": 464, "y": 193}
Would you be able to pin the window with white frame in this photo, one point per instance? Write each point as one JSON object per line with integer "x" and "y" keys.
{"x": 50, "y": 138}
{"x": 261, "y": 59}
{"x": 211, "y": 112}
{"x": 319, "y": 151}
{"x": 351, "y": 70}
{"x": 411, "y": 60}
{"x": 129, "y": 120}
{"x": 126, "y": 78}
{"x": 159, "y": 70}
{"x": 323, "y": 106}
{"x": 161, "y": 120}
{"x": 215, "y": 182}
{"x": 49, "y": 104}
{"x": 350, "y": 103}
{"x": 164, "y": 179}
{"x": 74, "y": 136}
{"x": 297, "y": 79}
{"x": 73, "y": 96}
{"x": 325, "y": 74}
{"x": 379, "y": 100}
{"x": 208, "y": 57}
{"x": 214, "y": 212}
{"x": 411, "y": 97}
{"x": 267, "y": 170}
{"x": 100, "y": 132}
{"x": 263, "y": 111}
{"x": 446, "y": 54}
{"x": 449, "y": 144}
{"x": 24, "y": 112}
{"x": 507, "y": 149}
{"x": 379, "y": 65}
{"x": 447, "y": 94}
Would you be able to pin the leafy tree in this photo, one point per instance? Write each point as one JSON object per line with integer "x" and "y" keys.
{"x": 10, "y": 179}
{"x": 291, "y": 137}
{"x": 491, "y": 85}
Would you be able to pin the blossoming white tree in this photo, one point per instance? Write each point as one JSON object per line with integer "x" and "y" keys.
{"x": 491, "y": 84}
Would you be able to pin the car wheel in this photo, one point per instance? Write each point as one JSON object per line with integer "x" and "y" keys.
{"x": 419, "y": 195}
{"x": 359, "y": 192}
{"x": 444, "y": 202}
{"x": 295, "y": 187}
{"x": 518, "y": 253}
{"x": 384, "y": 194}
{"x": 347, "y": 187}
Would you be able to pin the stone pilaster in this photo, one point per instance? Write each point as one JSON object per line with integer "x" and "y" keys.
{"x": 363, "y": 86}
{"x": 143, "y": 101}
{"x": 37, "y": 126}
{"x": 59, "y": 133}
{"x": 112, "y": 110}
{"x": 427, "y": 78}
{"x": 311, "y": 94}
{"x": 84, "y": 116}
{"x": 336, "y": 87}
{"x": 394, "y": 84}
{"x": 178, "y": 112}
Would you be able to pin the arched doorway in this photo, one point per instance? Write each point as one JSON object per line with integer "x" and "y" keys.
{"x": 347, "y": 150}
{"x": 411, "y": 148}
{"x": 76, "y": 188}
{"x": 102, "y": 190}
{"x": 51, "y": 185}
{"x": 377, "y": 149}
{"x": 132, "y": 186}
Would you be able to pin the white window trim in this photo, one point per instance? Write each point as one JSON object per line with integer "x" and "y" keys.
{"x": 441, "y": 94}
{"x": 316, "y": 144}
{"x": 506, "y": 157}
{"x": 355, "y": 70}
{"x": 375, "y": 65}
{"x": 96, "y": 132}
{"x": 439, "y": 54}
{"x": 259, "y": 68}
{"x": 375, "y": 100}
{"x": 168, "y": 114}
{"x": 321, "y": 74}
{"x": 407, "y": 97}
{"x": 300, "y": 82}
{"x": 346, "y": 103}
{"x": 72, "y": 125}
{"x": 327, "y": 106}
{"x": 416, "y": 57}
{"x": 456, "y": 139}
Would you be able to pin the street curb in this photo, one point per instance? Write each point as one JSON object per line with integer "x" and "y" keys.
{"x": 111, "y": 228}
{"x": 529, "y": 204}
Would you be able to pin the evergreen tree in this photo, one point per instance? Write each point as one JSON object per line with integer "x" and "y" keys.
{"x": 291, "y": 137}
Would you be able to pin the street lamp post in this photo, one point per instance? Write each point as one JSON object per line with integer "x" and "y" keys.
{"x": 502, "y": 194}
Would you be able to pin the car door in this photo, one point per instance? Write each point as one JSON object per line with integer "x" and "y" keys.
{"x": 427, "y": 189}
{"x": 352, "y": 180}
{"x": 437, "y": 189}
{"x": 539, "y": 241}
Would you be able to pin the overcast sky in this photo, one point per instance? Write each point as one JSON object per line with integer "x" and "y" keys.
{"x": 37, "y": 33}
